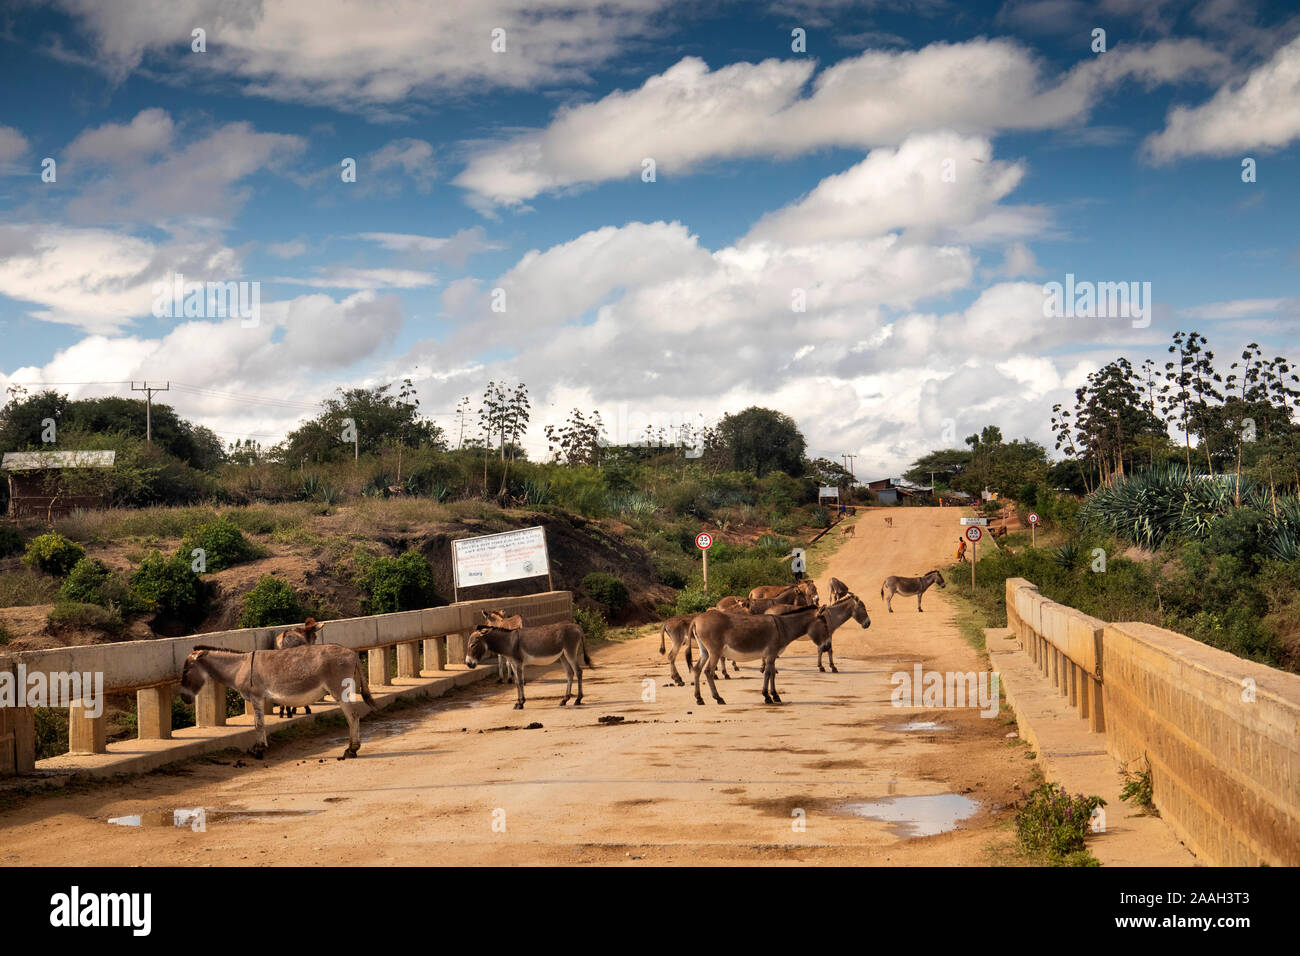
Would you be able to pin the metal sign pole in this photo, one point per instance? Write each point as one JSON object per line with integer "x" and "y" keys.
{"x": 705, "y": 553}
{"x": 546, "y": 546}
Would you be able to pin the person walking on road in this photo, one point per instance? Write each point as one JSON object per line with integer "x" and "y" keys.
{"x": 797, "y": 563}
{"x": 961, "y": 549}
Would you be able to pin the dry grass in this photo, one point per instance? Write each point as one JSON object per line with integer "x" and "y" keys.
{"x": 26, "y": 587}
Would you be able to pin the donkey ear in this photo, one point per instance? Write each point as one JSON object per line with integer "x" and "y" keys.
{"x": 485, "y": 615}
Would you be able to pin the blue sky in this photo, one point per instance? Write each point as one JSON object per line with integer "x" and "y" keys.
{"x": 659, "y": 301}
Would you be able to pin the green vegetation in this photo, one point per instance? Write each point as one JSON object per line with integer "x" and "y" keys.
{"x": 606, "y": 590}
{"x": 1054, "y": 824}
{"x": 222, "y": 543}
{"x": 271, "y": 602}
{"x": 26, "y": 587}
{"x": 70, "y": 614}
{"x": 11, "y": 542}
{"x": 53, "y": 553}
{"x": 171, "y": 587}
{"x": 593, "y": 623}
{"x": 90, "y": 582}
{"x": 51, "y": 731}
{"x": 398, "y": 584}
{"x": 1137, "y": 789}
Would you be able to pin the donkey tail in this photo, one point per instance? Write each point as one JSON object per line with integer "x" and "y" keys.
{"x": 364, "y": 686}
{"x": 690, "y": 639}
{"x": 586, "y": 658}
{"x": 663, "y": 648}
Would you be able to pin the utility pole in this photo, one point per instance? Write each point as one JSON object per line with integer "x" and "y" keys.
{"x": 848, "y": 465}
{"x": 148, "y": 405}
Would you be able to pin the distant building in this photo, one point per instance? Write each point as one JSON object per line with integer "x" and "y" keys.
{"x": 889, "y": 491}
{"x": 37, "y": 488}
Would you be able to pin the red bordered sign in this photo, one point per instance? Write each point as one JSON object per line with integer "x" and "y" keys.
{"x": 704, "y": 541}
{"x": 1033, "y": 518}
{"x": 974, "y": 533}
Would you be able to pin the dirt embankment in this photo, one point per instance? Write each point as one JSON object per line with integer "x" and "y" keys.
{"x": 320, "y": 567}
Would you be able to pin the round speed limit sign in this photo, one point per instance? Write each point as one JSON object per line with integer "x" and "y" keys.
{"x": 974, "y": 533}
{"x": 704, "y": 541}
{"x": 1033, "y": 518}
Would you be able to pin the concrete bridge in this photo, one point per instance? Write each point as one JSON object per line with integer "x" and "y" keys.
{"x": 855, "y": 768}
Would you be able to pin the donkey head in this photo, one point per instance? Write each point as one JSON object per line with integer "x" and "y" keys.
{"x": 192, "y": 677}
{"x": 477, "y": 648}
{"x": 938, "y": 578}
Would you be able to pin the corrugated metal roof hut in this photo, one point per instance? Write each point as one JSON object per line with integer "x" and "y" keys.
{"x": 36, "y": 485}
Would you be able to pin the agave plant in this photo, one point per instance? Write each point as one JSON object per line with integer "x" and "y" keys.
{"x": 1068, "y": 555}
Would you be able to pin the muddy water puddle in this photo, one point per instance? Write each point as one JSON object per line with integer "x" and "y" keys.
{"x": 914, "y": 726}
{"x": 915, "y": 816}
{"x": 198, "y": 818}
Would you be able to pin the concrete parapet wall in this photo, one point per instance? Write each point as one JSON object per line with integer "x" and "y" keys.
{"x": 1221, "y": 736}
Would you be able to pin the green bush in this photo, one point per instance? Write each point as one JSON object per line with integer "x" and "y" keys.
{"x": 169, "y": 586}
{"x": 11, "y": 542}
{"x": 1050, "y": 821}
{"x": 672, "y": 570}
{"x": 271, "y": 602}
{"x": 398, "y": 584}
{"x": 593, "y": 623}
{"x": 607, "y": 590}
{"x": 90, "y": 582}
{"x": 223, "y": 544}
{"x": 72, "y": 614}
{"x": 693, "y": 600}
{"x": 53, "y": 553}
{"x": 51, "y": 731}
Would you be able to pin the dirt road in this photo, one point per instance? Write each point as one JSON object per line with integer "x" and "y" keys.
{"x": 460, "y": 780}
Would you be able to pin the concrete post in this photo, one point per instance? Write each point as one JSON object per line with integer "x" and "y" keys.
{"x": 268, "y": 708}
{"x": 86, "y": 735}
{"x": 153, "y": 712}
{"x": 17, "y": 740}
{"x": 1097, "y": 718}
{"x": 377, "y": 664}
{"x": 1085, "y": 694}
{"x": 457, "y": 645}
{"x": 210, "y": 705}
{"x": 435, "y": 653}
{"x": 408, "y": 659}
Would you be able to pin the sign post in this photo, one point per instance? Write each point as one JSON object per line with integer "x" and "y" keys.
{"x": 973, "y": 535}
{"x": 493, "y": 558}
{"x": 1033, "y": 528}
{"x": 704, "y": 541}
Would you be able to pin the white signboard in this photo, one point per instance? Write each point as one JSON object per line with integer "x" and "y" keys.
{"x": 825, "y": 492}
{"x": 500, "y": 557}
{"x": 972, "y": 521}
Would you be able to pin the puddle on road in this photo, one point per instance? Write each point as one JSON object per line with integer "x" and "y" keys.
{"x": 198, "y": 818}
{"x": 915, "y": 816}
{"x": 918, "y": 725}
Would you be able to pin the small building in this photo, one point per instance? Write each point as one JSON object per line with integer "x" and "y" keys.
{"x": 38, "y": 489}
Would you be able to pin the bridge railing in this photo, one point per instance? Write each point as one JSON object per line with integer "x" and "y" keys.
{"x": 426, "y": 641}
{"x": 1220, "y": 735}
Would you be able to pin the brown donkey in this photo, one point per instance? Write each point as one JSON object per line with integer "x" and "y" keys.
{"x": 747, "y": 637}
{"x": 297, "y": 637}
{"x": 544, "y": 644}
{"x": 295, "y": 676}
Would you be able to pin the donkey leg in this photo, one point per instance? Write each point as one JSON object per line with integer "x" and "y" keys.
{"x": 918, "y": 601}
{"x": 672, "y": 665}
{"x": 568, "y": 673}
{"x": 350, "y": 711}
{"x": 776, "y": 698}
{"x": 830, "y": 655}
{"x": 577, "y": 666}
{"x": 713, "y": 687}
{"x": 698, "y": 669}
{"x": 259, "y": 724}
{"x": 819, "y": 661}
{"x": 518, "y": 668}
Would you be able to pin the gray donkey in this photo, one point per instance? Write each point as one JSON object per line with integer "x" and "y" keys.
{"x": 521, "y": 646}
{"x": 894, "y": 584}
{"x": 293, "y": 676}
{"x": 747, "y": 637}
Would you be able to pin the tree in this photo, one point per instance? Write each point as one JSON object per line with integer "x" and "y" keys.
{"x": 938, "y": 467}
{"x": 578, "y": 441}
{"x": 762, "y": 439}
{"x": 380, "y": 419}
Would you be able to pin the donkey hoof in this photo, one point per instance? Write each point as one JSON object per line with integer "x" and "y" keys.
{"x": 766, "y": 699}
{"x": 258, "y": 751}
{"x": 563, "y": 702}
{"x": 578, "y": 702}
{"x": 718, "y": 699}
{"x": 519, "y": 706}
{"x": 822, "y": 669}
{"x": 776, "y": 698}
{"x": 306, "y": 710}
{"x": 699, "y": 700}
{"x": 834, "y": 669}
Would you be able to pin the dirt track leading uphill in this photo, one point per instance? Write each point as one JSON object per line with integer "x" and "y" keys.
{"x": 672, "y": 783}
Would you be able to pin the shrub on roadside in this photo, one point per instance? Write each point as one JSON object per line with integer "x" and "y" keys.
{"x": 593, "y": 623}
{"x": 398, "y": 584}
{"x": 222, "y": 543}
{"x": 90, "y": 582}
{"x": 607, "y": 590}
{"x": 271, "y": 602}
{"x": 169, "y": 586}
{"x": 1050, "y": 821}
{"x": 70, "y": 614}
{"x": 53, "y": 553}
